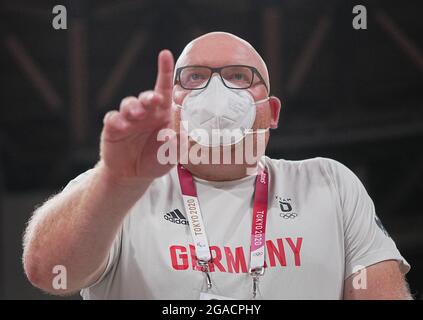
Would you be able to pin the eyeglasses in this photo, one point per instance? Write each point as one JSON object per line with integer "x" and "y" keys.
{"x": 233, "y": 76}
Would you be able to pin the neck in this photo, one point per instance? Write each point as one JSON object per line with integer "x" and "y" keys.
{"x": 219, "y": 172}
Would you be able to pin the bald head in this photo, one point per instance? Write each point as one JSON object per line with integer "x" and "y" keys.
{"x": 217, "y": 49}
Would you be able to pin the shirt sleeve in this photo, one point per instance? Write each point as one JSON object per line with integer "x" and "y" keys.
{"x": 79, "y": 179}
{"x": 366, "y": 241}
{"x": 112, "y": 259}
{"x": 116, "y": 245}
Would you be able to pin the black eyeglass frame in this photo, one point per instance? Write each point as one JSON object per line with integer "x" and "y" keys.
{"x": 218, "y": 70}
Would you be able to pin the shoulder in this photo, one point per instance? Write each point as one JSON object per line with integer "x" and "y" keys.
{"x": 324, "y": 166}
{"x": 314, "y": 170}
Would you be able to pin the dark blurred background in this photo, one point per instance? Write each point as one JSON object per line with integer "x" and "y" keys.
{"x": 352, "y": 95}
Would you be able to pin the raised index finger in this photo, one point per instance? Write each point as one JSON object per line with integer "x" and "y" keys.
{"x": 164, "y": 81}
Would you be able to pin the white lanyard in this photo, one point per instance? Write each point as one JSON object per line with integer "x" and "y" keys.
{"x": 198, "y": 233}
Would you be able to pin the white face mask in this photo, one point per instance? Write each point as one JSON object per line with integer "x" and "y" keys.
{"x": 217, "y": 115}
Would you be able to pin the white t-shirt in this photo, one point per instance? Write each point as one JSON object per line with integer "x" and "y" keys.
{"x": 321, "y": 226}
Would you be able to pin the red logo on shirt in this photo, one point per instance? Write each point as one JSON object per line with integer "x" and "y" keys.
{"x": 227, "y": 259}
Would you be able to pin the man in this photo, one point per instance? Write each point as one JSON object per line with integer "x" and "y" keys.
{"x": 135, "y": 228}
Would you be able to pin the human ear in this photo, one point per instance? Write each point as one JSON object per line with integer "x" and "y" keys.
{"x": 275, "y": 108}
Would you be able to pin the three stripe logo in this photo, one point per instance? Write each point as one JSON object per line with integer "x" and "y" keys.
{"x": 176, "y": 216}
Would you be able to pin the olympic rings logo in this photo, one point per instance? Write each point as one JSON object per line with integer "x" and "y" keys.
{"x": 289, "y": 215}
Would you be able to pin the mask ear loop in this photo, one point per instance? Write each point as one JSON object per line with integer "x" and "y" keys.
{"x": 178, "y": 106}
{"x": 263, "y": 130}
{"x": 261, "y": 101}
{"x": 258, "y": 131}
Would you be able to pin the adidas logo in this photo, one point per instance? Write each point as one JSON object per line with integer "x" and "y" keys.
{"x": 176, "y": 216}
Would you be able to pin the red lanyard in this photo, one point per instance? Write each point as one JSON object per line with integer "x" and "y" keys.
{"x": 198, "y": 233}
